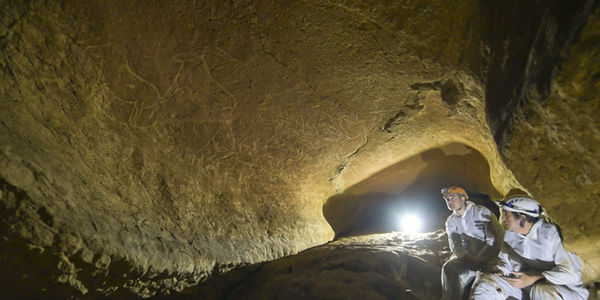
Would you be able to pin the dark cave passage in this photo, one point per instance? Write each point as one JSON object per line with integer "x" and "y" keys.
{"x": 411, "y": 188}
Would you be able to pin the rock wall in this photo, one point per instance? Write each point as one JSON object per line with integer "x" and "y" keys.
{"x": 558, "y": 138}
{"x": 145, "y": 146}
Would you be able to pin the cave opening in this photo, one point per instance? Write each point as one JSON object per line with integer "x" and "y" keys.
{"x": 411, "y": 189}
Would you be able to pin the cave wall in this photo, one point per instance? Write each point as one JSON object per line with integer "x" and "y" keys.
{"x": 145, "y": 146}
{"x": 524, "y": 54}
{"x": 558, "y": 135}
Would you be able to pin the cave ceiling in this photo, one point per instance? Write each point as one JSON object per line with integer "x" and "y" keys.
{"x": 180, "y": 139}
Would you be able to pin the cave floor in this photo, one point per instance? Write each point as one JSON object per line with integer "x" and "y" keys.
{"x": 393, "y": 265}
{"x": 387, "y": 266}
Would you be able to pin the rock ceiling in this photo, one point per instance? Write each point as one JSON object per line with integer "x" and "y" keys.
{"x": 146, "y": 146}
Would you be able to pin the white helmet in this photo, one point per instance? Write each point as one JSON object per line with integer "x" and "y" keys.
{"x": 525, "y": 205}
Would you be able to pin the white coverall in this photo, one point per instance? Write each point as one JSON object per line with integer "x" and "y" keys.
{"x": 475, "y": 238}
{"x": 541, "y": 250}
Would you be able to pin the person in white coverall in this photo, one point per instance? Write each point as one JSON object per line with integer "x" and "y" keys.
{"x": 474, "y": 237}
{"x": 533, "y": 263}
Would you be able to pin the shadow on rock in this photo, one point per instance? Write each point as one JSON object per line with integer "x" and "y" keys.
{"x": 384, "y": 266}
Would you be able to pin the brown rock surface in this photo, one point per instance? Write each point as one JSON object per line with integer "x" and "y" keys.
{"x": 559, "y": 138}
{"x": 147, "y": 146}
{"x": 382, "y": 266}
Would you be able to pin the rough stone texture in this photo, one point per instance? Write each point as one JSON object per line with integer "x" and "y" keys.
{"x": 383, "y": 266}
{"x": 559, "y": 137}
{"x": 146, "y": 146}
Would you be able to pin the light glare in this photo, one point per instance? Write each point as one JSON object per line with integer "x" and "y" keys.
{"x": 410, "y": 223}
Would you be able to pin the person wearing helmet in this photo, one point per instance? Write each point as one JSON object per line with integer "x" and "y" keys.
{"x": 533, "y": 261}
{"x": 474, "y": 237}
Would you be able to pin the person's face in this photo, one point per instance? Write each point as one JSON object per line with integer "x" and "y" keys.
{"x": 454, "y": 201}
{"x": 509, "y": 221}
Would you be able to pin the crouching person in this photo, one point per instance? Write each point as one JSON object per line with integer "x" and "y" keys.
{"x": 474, "y": 237}
{"x": 533, "y": 263}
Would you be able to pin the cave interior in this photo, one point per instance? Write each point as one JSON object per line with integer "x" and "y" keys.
{"x": 277, "y": 149}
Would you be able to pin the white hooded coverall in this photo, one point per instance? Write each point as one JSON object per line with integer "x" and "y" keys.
{"x": 541, "y": 250}
{"x": 476, "y": 236}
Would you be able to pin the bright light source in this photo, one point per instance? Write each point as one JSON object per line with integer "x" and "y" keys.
{"x": 410, "y": 223}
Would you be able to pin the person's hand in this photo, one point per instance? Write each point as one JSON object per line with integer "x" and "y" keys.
{"x": 522, "y": 280}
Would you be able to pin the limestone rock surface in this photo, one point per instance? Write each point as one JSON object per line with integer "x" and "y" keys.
{"x": 148, "y": 146}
